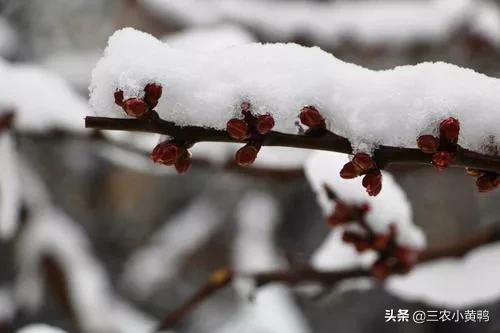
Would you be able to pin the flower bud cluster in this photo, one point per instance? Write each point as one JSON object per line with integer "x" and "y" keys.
{"x": 363, "y": 164}
{"x": 251, "y": 128}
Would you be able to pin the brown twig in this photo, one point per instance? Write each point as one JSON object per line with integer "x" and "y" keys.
{"x": 219, "y": 279}
{"x": 383, "y": 155}
{"x": 327, "y": 278}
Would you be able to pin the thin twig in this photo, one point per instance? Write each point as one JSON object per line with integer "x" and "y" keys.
{"x": 383, "y": 155}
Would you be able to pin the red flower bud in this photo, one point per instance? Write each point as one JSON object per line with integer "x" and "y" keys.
{"x": 428, "y": 144}
{"x": 449, "y": 129}
{"x": 6, "y": 119}
{"x": 237, "y": 129}
{"x": 247, "y": 155}
{"x": 380, "y": 270}
{"x": 351, "y": 237}
{"x": 363, "y": 162}
{"x": 183, "y": 163}
{"x": 349, "y": 171}
{"x": 380, "y": 242}
{"x": 119, "y": 97}
{"x": 152, "y": 93}
{"x": 165, "y": 153}
{"x": 265, "y": 123}
{"x": 405, "y": 255}
{"x": 442, "y": 159}
{"x": 311, "y": 117}
{"x": 341, "y": 214}
{"x": 362, "y": 245}
{"x": 372, "y": 181}
{"x": 135, "y": 107}
{"x": 487, "y": 182}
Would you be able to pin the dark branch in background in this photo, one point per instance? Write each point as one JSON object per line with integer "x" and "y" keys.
{"x": 325, "y": 278}
{"x": 384, "y": 155}
{"x": 268, "y": 173}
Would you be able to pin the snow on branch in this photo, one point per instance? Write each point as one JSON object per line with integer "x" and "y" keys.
{"x": 36, "y": 102}
{"x": 265, "y": 94}
{"x": 366, "y": 23}
{"x": 369, "y": 108}
{"x": 40, "y": 99}
{"x": 53, "y": 242}
{"x": 52, "y": 247}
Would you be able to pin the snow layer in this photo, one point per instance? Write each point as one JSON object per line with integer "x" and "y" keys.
{"x": 391, "y": 206}
{"x": 40, "y": 98}
{"x": 386, "y": 22}
{"x": 453, "y": 283}
{"x": 391, "y": 107}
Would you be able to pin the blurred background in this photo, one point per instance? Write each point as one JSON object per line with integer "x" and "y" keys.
{"x": 124, "y": 242}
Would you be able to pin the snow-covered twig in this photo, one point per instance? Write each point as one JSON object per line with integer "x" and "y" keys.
{"x": 52, "y": 247}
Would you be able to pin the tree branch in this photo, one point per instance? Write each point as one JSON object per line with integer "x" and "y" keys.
{"x": 327, "y": 278}
{"x": 383, "y": 155}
